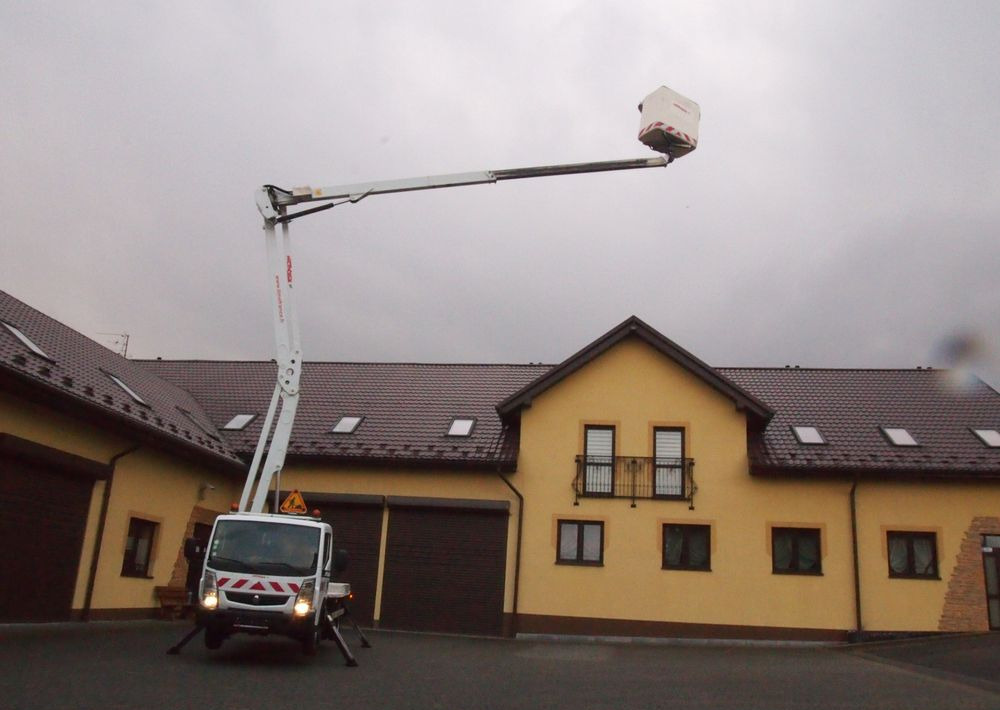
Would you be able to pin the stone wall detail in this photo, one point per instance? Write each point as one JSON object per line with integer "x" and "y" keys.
{"x": 965, "y": 602}
{"x": 198, "y": 515}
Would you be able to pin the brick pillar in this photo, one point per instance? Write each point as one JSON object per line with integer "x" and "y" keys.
{"x": 965, "y": 602}
{"x": 198, "y": 515}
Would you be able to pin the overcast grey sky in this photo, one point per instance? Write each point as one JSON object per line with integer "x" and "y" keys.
{"x": 842, "y": 208}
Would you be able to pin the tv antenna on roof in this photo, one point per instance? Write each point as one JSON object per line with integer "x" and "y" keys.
{"x": 118, "y": 343}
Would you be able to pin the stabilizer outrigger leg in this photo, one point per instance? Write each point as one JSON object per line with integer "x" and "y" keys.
{"x": 350, "y": 617}
{"x": 332, "y": 631}
{"x": 176, "y": 648}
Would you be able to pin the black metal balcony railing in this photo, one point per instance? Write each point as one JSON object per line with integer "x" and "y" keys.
{"x": 635, "y": 477}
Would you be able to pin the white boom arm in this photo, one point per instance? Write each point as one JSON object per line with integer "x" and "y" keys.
{"x": 273, "y": 203}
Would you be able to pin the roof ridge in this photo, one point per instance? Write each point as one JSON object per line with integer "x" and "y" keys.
{"x": 927, "y": 368}
{"x": 345, "y": 362}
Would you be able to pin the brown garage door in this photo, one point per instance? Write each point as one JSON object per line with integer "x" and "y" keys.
{"x": 357, "y": 527}
{"x": 41, "y": 526}
{"x": 444, "y": 568}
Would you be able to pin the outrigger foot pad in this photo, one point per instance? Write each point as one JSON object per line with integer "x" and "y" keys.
{"x": 176, "y": 648}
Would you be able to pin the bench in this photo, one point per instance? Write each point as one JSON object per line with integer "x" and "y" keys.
{"x": 173, "y": 601}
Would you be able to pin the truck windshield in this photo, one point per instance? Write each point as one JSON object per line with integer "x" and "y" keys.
{"x": 264, "y": 548}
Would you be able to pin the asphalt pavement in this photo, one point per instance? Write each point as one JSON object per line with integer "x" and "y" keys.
{"x": 124, "y": 665}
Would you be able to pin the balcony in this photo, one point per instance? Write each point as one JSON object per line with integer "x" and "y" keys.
{"x": 634, "y": 477}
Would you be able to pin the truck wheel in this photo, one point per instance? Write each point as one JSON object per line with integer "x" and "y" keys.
{"x": 213, "y": 639}
{"x": 310, "y": 642}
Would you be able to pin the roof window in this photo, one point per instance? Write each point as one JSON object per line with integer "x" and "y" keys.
{"x": 128, "y": 390}
{"x": 26, "y": 341}
{"x": 346, "y": 425}
{"x": 239, "y": 422}
{"x": 461, "y": 427}
{"x": 808, "y": 435}
{"x": 990, "y": 437}
{"x": 898, "y": 436}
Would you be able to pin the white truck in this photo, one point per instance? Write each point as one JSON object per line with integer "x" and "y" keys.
{"x": 271, "y": 573}
{"x": 268, "y": 574}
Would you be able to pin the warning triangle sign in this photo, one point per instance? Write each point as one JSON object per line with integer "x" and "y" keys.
{"x": 293, "y": 504}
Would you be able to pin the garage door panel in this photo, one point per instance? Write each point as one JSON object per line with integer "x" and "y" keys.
{"x": 42, "y": 527}
{"x": 358, "y": 529}
{"x": 444, "y": 570}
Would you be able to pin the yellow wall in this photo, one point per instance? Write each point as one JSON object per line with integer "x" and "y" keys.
{"x": 635, "y": 387}
{"x": 946, "y": 509}
{"x": 152, "y": 486}
{"x": 147, "y": 483}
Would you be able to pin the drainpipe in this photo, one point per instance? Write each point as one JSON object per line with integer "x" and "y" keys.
{"x": 859, "y": 629}
{"x": 99, "y": 537}
{"x": 517, "y": 553}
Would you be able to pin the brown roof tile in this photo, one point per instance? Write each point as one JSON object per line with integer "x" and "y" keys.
{"x": 849, "y": 406}
{"x": 406, "y": 407}
{"x": 78, "y": 373}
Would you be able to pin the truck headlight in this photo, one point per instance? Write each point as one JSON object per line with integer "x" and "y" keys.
{"x": 209, "y": 591}
{"x": 304, "y": 599}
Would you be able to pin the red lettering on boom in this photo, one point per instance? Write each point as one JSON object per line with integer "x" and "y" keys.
{"x": 277, "y": 295}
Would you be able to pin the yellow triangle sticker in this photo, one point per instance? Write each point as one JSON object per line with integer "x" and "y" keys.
{"x": 293, "y": 504}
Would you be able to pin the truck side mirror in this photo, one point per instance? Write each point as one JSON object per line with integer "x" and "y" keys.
{"x": 339, "y": 561}
{"x": 194, "y": 549}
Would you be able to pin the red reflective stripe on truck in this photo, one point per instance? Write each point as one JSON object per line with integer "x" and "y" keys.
{"x": 294, "y": 587}
{"x": 276, "y": 587}
{"x": 258, "y": 585}
{"x": 239, "y": 583}
{"x": 223, "y": 581}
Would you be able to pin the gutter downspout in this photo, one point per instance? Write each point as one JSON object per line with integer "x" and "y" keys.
{"x": 517, "y": 553}
{"x": 99, "y": 537}
{"x": 859, "y": 629}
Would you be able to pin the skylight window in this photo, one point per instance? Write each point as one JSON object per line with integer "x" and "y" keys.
{"x": 899, "y": 437}
{"x": 808, "y": 435}
{"x": 239, "y": 422}
{"x": 461, "y": 427}
{"x": 346, "y": 425}
{"x": 990, "y": 437}
{"x": 26, "y": 341}
{"x": 128, "y": 390}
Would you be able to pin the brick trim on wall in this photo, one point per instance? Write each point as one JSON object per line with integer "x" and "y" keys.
{"x": 198, "y": 515}
{"x": 965, "y": 602}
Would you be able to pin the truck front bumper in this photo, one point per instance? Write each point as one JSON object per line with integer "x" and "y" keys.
{"x": 254, "y": 621}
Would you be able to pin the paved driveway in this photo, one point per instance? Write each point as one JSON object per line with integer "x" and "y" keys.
{"x": 124, "y": 665}
{"x": 967, "y": 659}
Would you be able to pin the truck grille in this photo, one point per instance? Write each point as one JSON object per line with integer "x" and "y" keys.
{"x": 257, "y": 599}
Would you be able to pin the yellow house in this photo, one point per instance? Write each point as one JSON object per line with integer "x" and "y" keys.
{"x": 104, "y": 469}
{"x": 630, "y": 490}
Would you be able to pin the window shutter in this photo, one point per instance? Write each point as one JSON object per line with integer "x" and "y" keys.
{"x": 599, "y": 450}
{"x": 668, "y": 445}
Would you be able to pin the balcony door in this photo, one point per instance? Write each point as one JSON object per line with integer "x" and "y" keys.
{"x": 599, "y": 451}
{"x": 668, "y": 462}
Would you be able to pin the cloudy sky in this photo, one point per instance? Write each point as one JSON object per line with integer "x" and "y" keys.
{"x": 842, "y": 208}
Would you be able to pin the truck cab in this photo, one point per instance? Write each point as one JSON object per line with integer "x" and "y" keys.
{"x": 266, "y": 574}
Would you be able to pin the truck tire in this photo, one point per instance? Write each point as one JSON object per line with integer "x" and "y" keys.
{"x": 213, "y": 639}
{"x": 310, "y": 642}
